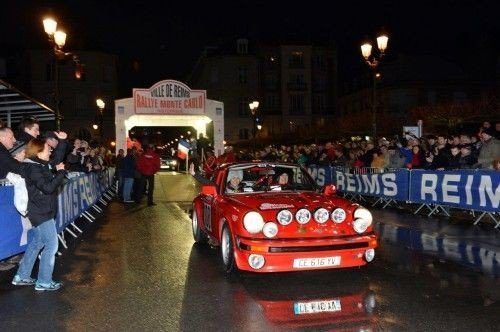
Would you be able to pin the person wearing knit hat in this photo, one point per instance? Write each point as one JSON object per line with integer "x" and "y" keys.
{"x": 18, "y": 151}
{"x": 490, "y": 150}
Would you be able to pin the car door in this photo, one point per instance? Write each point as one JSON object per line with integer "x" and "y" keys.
{"x": 210, "y": 207}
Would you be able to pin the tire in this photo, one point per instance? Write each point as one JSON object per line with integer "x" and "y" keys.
{"x": 227, "y": 251}
{"x": 198, "y": 234}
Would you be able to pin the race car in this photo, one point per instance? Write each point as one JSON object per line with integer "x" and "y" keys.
{"x": 168, "y": 163}
{"x": 272, "y": 217}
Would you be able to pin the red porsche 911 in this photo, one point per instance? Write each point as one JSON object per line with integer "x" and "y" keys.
{"x": 272, "y": 217}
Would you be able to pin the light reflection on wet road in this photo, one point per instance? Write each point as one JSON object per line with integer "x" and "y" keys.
{"x": 139, "y": 270}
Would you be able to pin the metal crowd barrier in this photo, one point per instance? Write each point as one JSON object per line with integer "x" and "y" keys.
{"x": 65, "y": 225}
{"x": 432, "y": 208}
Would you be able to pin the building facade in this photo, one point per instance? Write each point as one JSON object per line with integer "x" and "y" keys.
{"x": 295, "y": 85}
{"x": 407, "y": 83}
{"x": 78, "y": 90}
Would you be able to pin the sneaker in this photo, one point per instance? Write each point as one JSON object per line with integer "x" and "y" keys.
{"x": 53, "y": 286}
{"x": 23, "y": 282}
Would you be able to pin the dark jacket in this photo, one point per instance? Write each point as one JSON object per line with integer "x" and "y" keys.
{"x": 42, "y": 186}
{"x": 128, "y": 166}
{"x": 74, "y": 162}
{"x": 59, "y": 154}
{"x": 23, "y": 136}
{"x": 7, "y": 163}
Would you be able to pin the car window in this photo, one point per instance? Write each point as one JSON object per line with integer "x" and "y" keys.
{"x": 267, "y": 177}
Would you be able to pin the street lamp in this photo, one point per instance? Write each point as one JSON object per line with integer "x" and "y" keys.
{"x": 100, "y": 105}
{"x": 373, "y": 60}
{"x": 253, "y": 110}
{"x": 57, "y": 39}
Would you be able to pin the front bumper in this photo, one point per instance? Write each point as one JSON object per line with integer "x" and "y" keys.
{"x": 279, "y": 255}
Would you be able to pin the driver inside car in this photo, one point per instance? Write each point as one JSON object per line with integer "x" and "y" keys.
{"x": 234, "y": 184}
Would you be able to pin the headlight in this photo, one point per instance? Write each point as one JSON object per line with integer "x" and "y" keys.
{"x": 303, "y": 216}
{"x": 338, "y": 215}
{"x": 321, "y": 215}
{"x": 363, "y": 220}
{"x": 270, "y": 229}
{"x": 174, "y": 162}
{"x": 253, "y": 222}
{"x": 284, "y": 217}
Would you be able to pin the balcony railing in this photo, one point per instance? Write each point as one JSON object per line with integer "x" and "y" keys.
{"x": 297, "y": 86}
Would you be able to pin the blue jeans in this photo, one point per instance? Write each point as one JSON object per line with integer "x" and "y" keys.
{"x": 41, "y": 237}
{"x": 127, "y": 188}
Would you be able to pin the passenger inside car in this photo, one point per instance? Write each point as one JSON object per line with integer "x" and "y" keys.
{"x": 234, "y": 184}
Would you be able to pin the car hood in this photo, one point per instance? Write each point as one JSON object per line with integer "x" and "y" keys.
{"x": 283, "y": 200}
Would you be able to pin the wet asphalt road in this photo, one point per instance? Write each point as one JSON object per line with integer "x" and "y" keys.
{"x": 137, "y": 269}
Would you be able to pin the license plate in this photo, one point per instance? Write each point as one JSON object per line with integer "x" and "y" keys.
{"x": 306, "y": 263}
{"x": 313, "y": 307}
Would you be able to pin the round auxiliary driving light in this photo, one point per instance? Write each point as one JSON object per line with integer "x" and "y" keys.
{"x": 256, "y": 261}
{"x": 321, "y": 215}
{"x": 270, "y": 229}
{"x": 253, "y": 222}
{"x": 303, "y": 216}
{"x": 338, "y": 215}
{"x": 369, "y": 255}
{"x": 284, "y": 217}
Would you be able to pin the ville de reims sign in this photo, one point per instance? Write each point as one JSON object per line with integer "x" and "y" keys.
{"x": 169, "y": 97}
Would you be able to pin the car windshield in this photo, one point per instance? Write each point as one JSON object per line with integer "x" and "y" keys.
{"x": 267, "y": 177}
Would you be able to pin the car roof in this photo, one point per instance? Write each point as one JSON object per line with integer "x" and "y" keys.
{"x": 255, "y": 162}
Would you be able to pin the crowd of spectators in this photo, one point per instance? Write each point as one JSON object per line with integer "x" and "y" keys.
{"x": 77, "y": 156}
{"x": 135, "y": 172}
{"x": 436, "y": 152}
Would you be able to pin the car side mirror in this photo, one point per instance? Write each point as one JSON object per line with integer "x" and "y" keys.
{"x": 209, "y": 189}
{"x": 329, "y": 190}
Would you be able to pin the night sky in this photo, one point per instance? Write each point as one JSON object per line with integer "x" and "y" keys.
{"x": 167, "y": 37}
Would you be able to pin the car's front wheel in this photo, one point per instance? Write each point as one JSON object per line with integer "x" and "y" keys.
{"x": 227, "y": 251}
{"x": 198, "y": 234}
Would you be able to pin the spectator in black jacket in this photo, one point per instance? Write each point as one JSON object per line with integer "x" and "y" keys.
{"x": 7, "y": 162}
{"x": 467, "y": 159}
{"x": 42, "y": 185}
{"x": 58, "y": 145}
{"x": 29, "y": 128}
{"x": 454, "y": 158}
{"x": 128, "y": 172}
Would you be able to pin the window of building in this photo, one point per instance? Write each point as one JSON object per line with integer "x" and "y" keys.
{"x": 244, "y": 133}
{"x": 296, "y": 60}
{"x": 243, "y": 75}
{"x": 242, "y": 46}
{"x": 319, "y": 61}
{"x": 296, "y": 78}
{"x": 243, "y": 108}
{"x": 270, "y": 81}
{"x": 297, "y": 104}
{"x": 318, "y": 103}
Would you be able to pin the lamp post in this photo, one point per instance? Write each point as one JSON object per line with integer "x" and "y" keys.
{"x": 253, "y": 110}
{"x": 100, "y": 105}
{"x": 373, "y": 60}
{"x": 57, "y": 39}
